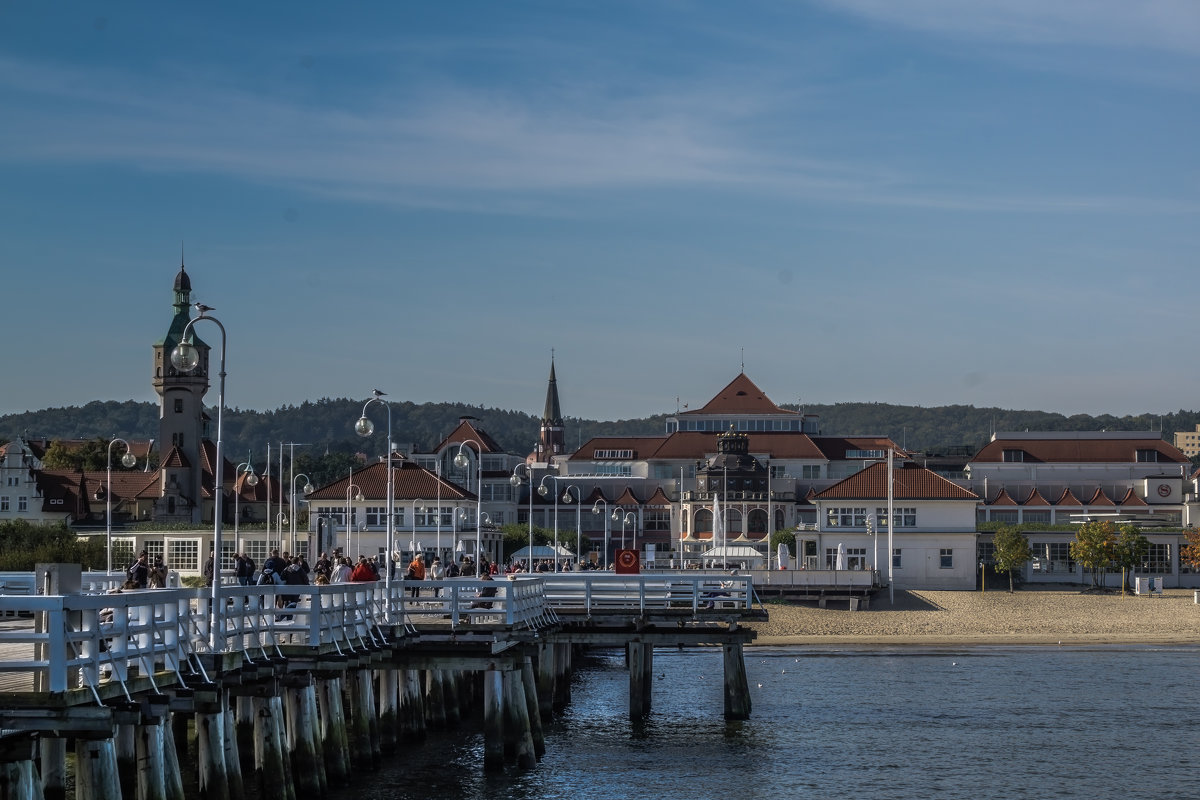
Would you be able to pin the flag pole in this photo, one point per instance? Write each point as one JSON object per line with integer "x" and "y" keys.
{"x": 890, "y": 520}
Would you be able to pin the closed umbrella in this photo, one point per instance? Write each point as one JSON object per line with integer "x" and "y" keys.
{"x": 784, "y": 556}
{"x": 841, "y": 556}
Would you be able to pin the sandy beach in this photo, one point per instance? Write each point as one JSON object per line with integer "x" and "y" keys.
{"x": 1063, "y": 614}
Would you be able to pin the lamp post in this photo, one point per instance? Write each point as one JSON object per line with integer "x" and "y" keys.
{"x": 543, "y": 491}
{"x": 626, "y": 516}
{"x": 308, "y": 487}
{"x": 127, "y": 461}
{"x": 185, "y": 358}
{"x": 251, "y": 481}
{"x": 596, "y": 510}
{"x": 566, "y": 498}
{"x": 364, "y": 427}
{"x": 358, "y": 498}
{"x": 462, "y": 462}
{"x": 517, "y": 480}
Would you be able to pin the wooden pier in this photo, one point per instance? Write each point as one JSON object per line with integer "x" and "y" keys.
{"x": 294, "y": 698}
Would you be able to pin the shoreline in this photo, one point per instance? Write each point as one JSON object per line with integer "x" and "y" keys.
{"x": 1034, "y": 616}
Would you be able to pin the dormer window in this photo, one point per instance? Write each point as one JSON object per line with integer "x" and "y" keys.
{"x": 1147, "y": 456}
{"x": 1014, "y": 456}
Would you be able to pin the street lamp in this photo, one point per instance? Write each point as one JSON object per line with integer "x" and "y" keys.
{"x": 543, "y": 490}
{"x": 185, "y": 358}
{"x": 127, "y": 461}
{"x": 251, "y": 481}
{"x": 462, "y": 462}
{"x": 566, "y": 498}
{"x": 517, "y": 480}
{"x": 308, "y": 487}
{"x": 596, "y": 510}
{"x": 364, "y": 427}
{"x": 624, "y": 516}
{"x": 358, "y": 498}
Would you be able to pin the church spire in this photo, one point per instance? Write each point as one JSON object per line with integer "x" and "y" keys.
{"x": 552, "y": 438}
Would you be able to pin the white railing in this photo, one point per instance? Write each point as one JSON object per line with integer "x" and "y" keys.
{"x": 85, "y": 641}
{"x": 595, "y": 592}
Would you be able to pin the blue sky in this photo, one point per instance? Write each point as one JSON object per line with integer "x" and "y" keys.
{"x": 912, "y": 201}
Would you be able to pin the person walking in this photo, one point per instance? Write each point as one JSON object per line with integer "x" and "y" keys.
{"x": 416, "y": 572}
{"x": 436, "y": 573}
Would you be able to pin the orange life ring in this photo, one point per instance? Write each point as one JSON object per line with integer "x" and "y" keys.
{"x": 626, "y": 559}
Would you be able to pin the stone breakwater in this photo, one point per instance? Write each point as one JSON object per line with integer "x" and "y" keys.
{"x": 1029, "y": 616}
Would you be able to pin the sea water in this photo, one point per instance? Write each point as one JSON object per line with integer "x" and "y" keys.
{"x": 864, "y": 723}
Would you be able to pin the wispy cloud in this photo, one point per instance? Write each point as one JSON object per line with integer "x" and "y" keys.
{"x": 1167, "y": 25}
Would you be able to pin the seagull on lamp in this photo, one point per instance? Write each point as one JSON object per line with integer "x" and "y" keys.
{"x": 203, "y": 308}
{"x": 378, "y": 393}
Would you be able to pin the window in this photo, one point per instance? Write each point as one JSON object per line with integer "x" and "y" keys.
{"x": 896, "y": 562}
{"x": 866, "y": 454}
{"x": 905, "y": 517}
{"x": 397, "y": 517}
{"x": 256, "y": 549}
{"x": 1014, "y": 456}
{"x": 184, "y": 554}
{"x": 1037, "y": 517}
{"x": 856, "y": 558}
{"x": 501, "y": 492}
{"x": 228, "y": 554}
{"x": 178, "y": 405}
{"x": 1052, "y": 557}
{"x": 1147, "y": 456}
{"x": 810, "y": 471}
{"x": 612, "y": 469}
{"x": 377, "y": 516}
{"x": 986, "y": 552}
{"x": 626, "y": 454}
{"x": 947, "y": 558}
{"x": 4, "y": 503}
{"x": 777, "y": 471}
{"x": 153, "y": 547}
{"x": 657, "y": 519}
{"x": 846, "y": 517}
{"x": 1158, "y": 558}
{"x": 13, "y": 480}
{"x": 1008, "y": 516}
{"x": 22, "y": 504}
{"x": 338, "y": 513}
{"x": 123, "y": 552}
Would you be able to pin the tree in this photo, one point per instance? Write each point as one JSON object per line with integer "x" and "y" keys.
{"x": 1190, "y": 552}
{"x": 91, "y": 455}
{"x": 1129, "y": 550}
{"x": 1012, "y": 551}
{"x": 1094, "y": 546}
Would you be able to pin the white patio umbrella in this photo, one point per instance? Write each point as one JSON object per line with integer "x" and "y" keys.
{"x": 841, "y": 556}
{"x": 784, "y": 557}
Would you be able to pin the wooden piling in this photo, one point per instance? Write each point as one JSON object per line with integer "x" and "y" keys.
{"x": 516, "y": 720}
{"x": 545, "y": 676}
{"x": 635, "y": 654}
{"x": 172, "y": 772}
{"x": 233, "y": 760}
{"x": 493, "y": 720}
{"x": 335, "y": 741}
{"x": 413, "y": 707}
{"x": 361, "y": 751}
{"x": 96, "y": 769}
{"x": 19, "y": 780}
{"x": 312, "y": 714}
{"x": 210, "y": 754}
{"x": 151, "y": 764}
{"x": 647, "y": 676}
{"x": 300, "y": 742}
{"x": 451, "y": 700}
{"x": 529, "y": 684}
{"x": 737, "y": 687}
{"x": 53, "y": 759}
{"x": 388, "y": 704}
{"x": 268, "y": 756}
{"x": 275, "y": 703}
{"x": 126, "y": 744}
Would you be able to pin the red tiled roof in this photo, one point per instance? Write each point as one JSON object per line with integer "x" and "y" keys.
{"x": 1067, "y": 498}
{"x": 1035, "y": 499}
{"x": 741, "y": 396}
{"x": 410, "y": 482}
{"x": 1002, "y": 499}
{"x": 1100, "y": 499}
{"x": 1080, "y": 451}
{"x": 1132, "y": 498}
{"x": 627, "y": 499}
{"x": 464, "y": 433}
{"x": 659, "y": 498}
{"x": 910, "y": 483}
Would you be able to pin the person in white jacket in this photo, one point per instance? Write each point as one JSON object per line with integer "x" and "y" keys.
{"x": 436, "y": 573}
